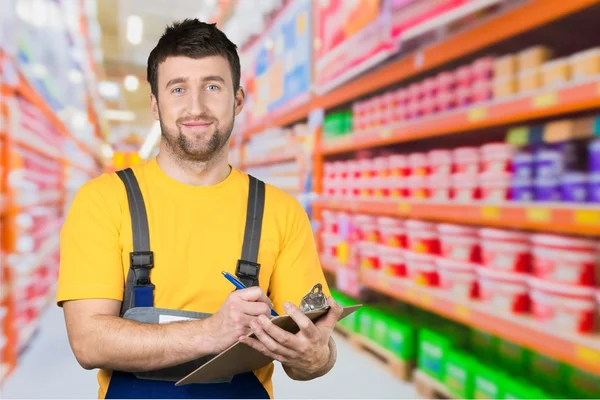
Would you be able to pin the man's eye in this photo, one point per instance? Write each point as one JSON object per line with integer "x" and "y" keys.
{"x": 178, "y": 90}
{"x": 212, "y": 88}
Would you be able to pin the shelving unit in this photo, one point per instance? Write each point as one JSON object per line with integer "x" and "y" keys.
{"x": 559, "y": 218}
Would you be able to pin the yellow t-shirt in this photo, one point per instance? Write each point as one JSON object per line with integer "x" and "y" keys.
{"x": 195, "y": 233}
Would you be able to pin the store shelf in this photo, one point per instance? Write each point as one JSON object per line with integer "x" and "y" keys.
{"x": 578, "y": 350}
{"x": 546, "y": 103}
{"x": 551, "y": 217}
{"x": 282, "y": 118}
{"x": 530, "y": 15}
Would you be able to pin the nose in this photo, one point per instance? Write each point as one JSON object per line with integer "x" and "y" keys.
{"x": 197, "y": 103}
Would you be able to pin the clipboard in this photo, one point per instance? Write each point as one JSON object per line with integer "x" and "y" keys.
{"x": 241, "y": 358}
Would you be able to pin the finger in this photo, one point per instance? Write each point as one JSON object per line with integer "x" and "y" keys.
{"x": 281, "y": 336}
{"x": 270, "y": 343}
{"x": 254, "y": 294}
{"x": 304, "y": 323}
{"x": 260, "y": 347}
{"x": 255, "y": 308}
{"x": 333, "y": 315}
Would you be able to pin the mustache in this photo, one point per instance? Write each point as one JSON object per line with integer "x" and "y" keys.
{"x": 199, "y": 118}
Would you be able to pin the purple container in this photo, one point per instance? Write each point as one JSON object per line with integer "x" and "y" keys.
{"x": 594, "y": 149}
{"x": 522, "y": 165}
{"x": 594, "y": 188}
{"x": 547, "y": 189}
{"x": 574, "y": 187}
{"x": 548, "y": 163}
{"x": 521, "y": 189}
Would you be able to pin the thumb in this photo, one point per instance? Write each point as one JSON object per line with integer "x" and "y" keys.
{"x": 333, "y": 315}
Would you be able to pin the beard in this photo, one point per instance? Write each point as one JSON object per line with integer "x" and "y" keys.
{"x": 198, "y": 147}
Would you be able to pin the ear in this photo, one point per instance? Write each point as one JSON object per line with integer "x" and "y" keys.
{"x": 240, "y": 96}
{"x": 154, "y": 105}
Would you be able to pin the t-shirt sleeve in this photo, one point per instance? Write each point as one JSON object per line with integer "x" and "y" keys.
{"x": 297, "y": 268}
{"x": 90, "y": 253}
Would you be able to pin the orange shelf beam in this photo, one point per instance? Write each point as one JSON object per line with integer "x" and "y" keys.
{"x": 582, "y": 351}
{"x": 280, "y": 118}
{"x": 548, "y": 103}
{"x": 531, "y": 15}
{"x": 558, "y": 218}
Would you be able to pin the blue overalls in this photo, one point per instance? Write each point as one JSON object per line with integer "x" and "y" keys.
{"x": 138, "y": 304}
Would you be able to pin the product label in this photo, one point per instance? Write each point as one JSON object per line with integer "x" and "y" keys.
{"x": 490, "y": 213}
{"x": 462, "y": 312}
{"x": 587, "y": 217}
{"x": 538, "y": 214}
{"x": 477, "y": 114}
{"x": 545, "y": 100}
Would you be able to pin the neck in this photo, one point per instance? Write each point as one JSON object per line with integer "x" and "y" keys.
{"x": 195, "y": 173}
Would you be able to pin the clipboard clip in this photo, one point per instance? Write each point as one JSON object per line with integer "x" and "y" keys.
{"x": 315, "y": 300}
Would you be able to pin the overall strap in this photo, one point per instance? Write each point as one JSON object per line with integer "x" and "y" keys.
{"x": 247, "y": 267}
{"x": 139, "y": 290}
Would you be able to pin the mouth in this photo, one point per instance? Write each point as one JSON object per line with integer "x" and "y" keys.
{"x": 196, "y": 124}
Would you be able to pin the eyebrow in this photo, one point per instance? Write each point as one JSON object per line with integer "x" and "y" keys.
{"x": 213, "y": 78}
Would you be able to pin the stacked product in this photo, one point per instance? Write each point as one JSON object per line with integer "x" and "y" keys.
{"x": 469, "y": 84}
{"x": 533, "y": 69}
{"x": 553, "y": 172}
{"x": 554, "y": 278}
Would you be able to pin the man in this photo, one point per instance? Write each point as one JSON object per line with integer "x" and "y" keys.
{"x": 196, "y": 211}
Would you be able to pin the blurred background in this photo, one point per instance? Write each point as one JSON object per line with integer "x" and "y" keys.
{"x": 447, "y": 152}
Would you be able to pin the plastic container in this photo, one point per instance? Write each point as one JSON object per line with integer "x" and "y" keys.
{"x": 464, "y": 76}
{"x": 433, "y": 350}
{"x": 440, "y": 187}
{"x": 421, "y": 269}
{"x": 547, "y": 189}
{"x": 418, "y": 187}
{"x": 505, "y": 250}
{"x": 393, "y": 262}
{"x": 497, "y": 157}
{"x": 505, "y": 86}
{"x": 522, "y": 165}
{"x": 549, "y": 163}
{"x": 446, "y": 100}
{"x": 482, "y": 91}
{"x": 401, "y": 339}
{"x": 398, "y": 165}
{"x": 422, "y": 237}
{"x": 503, "y": 292}
{"x": 446, "y": 81}
{"x": 564, "y": 308}
{"x": 574, "y": 187}
{"x": 488, "y": 383}
{"x": 392, "y": 232}
{"x": 514, "y": 358}
{"x": 366, "y": 228}
{"x": 530, "y": 80}
{"x": 556, "y": 72}
{"x": 522, "y": 189}
{"x": 533, "y": 57}
{"x": 483, "y": 68}
{"x": 459, "y": 278}
{"x": 594, "y": 153}
{"x": 440, "y": 162}
{"x": 565, "y": 260}
{"x": 495, "y": 187}
{"x": 594, "y": 188}
{"x": 586, "y": 63}
{"x": 465, "y": 96}
{"x": 398, "y": 187}
{"x": 466, "y": 160}
{"x": 330, "y": 245}
{"x": 430, "y": 87}
{"x": 460, "y": 374}
{"x": 466, "y": 188}
{"x": 505, "y": 66}
{"x": 460, "y": 243}
{"x": 369, "y": 256}
{"x": 419, "y": 164}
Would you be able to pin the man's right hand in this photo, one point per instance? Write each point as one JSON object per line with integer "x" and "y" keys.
{"x": 233, "y": 319}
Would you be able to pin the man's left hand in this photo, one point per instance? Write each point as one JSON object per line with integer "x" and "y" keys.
{"x": 306, "y": 352}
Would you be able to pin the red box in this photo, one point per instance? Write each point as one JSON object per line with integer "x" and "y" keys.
{"x": 421, "y": 268}
{"x": 422, "y": 237}
{"x": 393, "y": 262}
{"x": 392, "y": 232}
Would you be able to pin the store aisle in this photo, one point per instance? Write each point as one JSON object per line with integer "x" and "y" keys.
{"x": 49, "y": 370}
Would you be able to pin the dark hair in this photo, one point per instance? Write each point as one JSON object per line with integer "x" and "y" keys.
{"x": 195, "y": 39}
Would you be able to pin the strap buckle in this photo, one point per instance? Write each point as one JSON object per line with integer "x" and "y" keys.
{"x": 247, "y": 272}
{"x": 141, "y": 263}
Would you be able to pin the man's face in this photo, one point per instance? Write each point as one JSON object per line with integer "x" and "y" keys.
{"x": 196, "y": 105}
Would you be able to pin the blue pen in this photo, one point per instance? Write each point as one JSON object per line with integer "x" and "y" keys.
{"x": 240, "y": 285}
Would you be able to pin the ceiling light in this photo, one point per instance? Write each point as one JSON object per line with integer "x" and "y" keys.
{"x": 109, "y": 90}
{"x": 119, "y": 115}
{"x": 75, "y": 76}
{"x": 134, "y": 29}
{"x": 131, "y": 83}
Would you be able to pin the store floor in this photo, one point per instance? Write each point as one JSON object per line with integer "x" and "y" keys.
{"x": 49, "y": 370}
